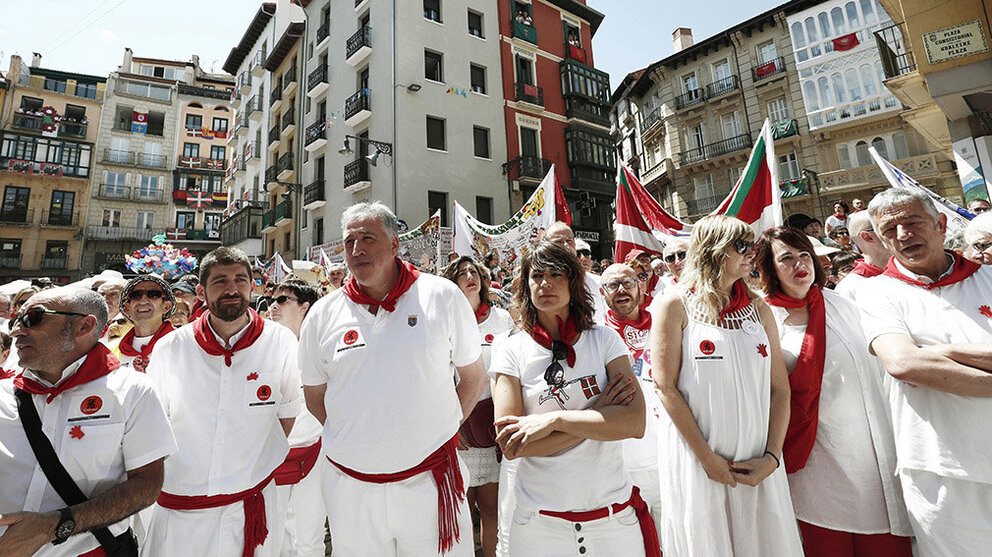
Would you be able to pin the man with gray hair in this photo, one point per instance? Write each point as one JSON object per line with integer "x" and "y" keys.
{"x": 377, "y": 358}
{"x": 928, "y": 319}
{"x": 876, "y": 255}
{"x": 978, "y": 239}
{"x": 105, "y": 423}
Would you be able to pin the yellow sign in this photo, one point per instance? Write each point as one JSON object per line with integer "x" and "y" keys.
{"x": 954, "y": 42}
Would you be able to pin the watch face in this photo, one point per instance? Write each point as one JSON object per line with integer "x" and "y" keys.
{"x": 65, "y": 529}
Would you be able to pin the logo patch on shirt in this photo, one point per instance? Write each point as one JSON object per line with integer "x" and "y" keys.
{"x": 91, "y": 405}
{"x": 411, "y": 320}
{"x": 489, "y": 338}
{"x": 76, "y": 432}
{"x": 589, "y": 386}
{"x": 985, "y": 310}
{"x": 139, "y": 363}
{"x": 763, "y": 350}
{"x": 263, "y": 394}
{"x": 352, "y": 338}
{"x": 707, "y": 347}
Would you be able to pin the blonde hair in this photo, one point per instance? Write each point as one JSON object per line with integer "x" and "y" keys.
{"x": 704, "y": 269}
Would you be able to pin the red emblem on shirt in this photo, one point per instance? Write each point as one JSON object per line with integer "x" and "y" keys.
{"x": 351, "y": 337}
{"x": 707, "y": 347}
{"x": 139, "y": 363}
{"x": 76, "y": 432}
{"x": 263, "y": 393}
{"x": 985, "y": 310}
{"x": 489, "y": 339}
{"x": 763, "y": 350}
{"x": 91, "y": 405}
{"x": 253, "y": 376}
{"x": 589, "y": 386}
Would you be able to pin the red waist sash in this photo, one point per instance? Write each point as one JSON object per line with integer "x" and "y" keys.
{"x": 298, "y": 464}
{"x": 651, "y": 546}
{"x": 256, "y": 530}
{"x": 443, "y": 465}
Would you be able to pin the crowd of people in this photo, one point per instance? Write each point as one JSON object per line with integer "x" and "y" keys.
{"x": 795, "y": 392}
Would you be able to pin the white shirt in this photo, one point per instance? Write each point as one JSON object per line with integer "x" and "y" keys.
{"x": 226, "y": 419}
{"x": 849, "y": 286}
{"x": 390, "y": 397}
{"x": 834, "y": 222}
{"x": 498, "y": 321}
{"x": 936, "y": 432}
{"x": 127, "y": 430}
{"x": 590, "y": 475}
{"x": 598, "y": 303}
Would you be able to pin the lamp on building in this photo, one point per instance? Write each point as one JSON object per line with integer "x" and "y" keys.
{"x": 373, "y": 158}
{"x": 346, "y": 150}
{"x": 381, "y": 148}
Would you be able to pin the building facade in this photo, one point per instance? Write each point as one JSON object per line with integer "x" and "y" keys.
{"x": 48, "y": 133}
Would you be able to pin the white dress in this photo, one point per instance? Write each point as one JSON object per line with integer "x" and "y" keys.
{"x": 725, "y": 378}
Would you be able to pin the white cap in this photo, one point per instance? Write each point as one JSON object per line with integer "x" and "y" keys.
{"x": 821, "y": 249}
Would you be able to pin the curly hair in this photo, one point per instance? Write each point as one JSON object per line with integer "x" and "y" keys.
{"x": 547, "y": 256}
{"x": 451, "y": 273}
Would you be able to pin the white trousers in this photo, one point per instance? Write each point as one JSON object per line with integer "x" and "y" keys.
{"x": 950, "y": 517}
{"x": 507, "y": 504}
{"x": 218, "y": 532}
{"x": 397, "y": 519}
{"x": 537, "y": 535}
{"x": 302, "y": 504}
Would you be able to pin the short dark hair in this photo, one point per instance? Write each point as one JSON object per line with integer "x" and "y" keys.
{"x": 303, "y": 290}
{"x": 764, "y": 259}
{"x": 842, "y": 259}
{"x": 843, "y": 204}
{"x": 547, "y": 256}
{"x": 223, "y": 255}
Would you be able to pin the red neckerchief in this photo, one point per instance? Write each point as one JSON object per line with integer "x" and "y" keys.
{"x": 480, "y": 314}
{"x": 649, "y": 293}
{"x": 407, "y": 275}
{"x": 642, "y": 324}
{"x": 963, "y": 269}
{"x": 568, "y": 331}
{"x": 864, "y": 269}
{"x": 199, "y": 307}
{"x": 738, "y": 299}
{"x": 209, "y": 343}
{"x": 126, "y": 345}
{"x": 99, "y": 362}
{"x": 838, "y": 217}
{"x": 805, "y": 380}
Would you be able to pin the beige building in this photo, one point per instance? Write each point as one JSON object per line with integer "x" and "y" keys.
{"x": 48, "y": 122}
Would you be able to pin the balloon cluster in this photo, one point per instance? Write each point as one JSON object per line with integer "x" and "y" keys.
{"x": 163, "y": 260}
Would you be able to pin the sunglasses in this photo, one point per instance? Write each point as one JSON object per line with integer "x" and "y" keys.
{"x": 628, "y": 284}
{"x": 642, "y": 276}
{"x": 136, "y": 295}
{"x": 34, "y": 316}
{"x": 981, "y": 246}
{"x": 282, "y": 299}
{"x": 583, "y": 253}
{"x": 554, "y": 376}
{"x": 670, "y": 258}
{"x": 743, "y": 246}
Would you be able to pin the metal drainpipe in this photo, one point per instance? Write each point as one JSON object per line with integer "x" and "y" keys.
{"x": 392, "y": 90}
{"x": 301, "y": 70}
{"x": 740, "y": 84}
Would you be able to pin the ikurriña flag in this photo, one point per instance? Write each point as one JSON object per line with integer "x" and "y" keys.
{"x": 756, "y": 198}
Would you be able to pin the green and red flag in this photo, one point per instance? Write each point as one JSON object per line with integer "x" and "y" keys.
{"x": 641, "y": 222}
{"x": 756, "y": 198}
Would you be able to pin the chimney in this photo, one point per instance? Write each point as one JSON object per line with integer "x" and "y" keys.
{"x": 35, "y": 60}
{"x": 682, "y": 38}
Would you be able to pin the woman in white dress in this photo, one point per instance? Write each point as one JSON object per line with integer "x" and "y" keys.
{"x": 839, "y": 449}
{"x": 565, "y": 395}
{"x": 477, "y": 437}
{"x": 721, "y": 377}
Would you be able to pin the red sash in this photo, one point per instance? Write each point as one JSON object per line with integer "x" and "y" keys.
{"x": 98, "y": 552}
{"x": 99, "y": 362}
{"x": 209, "y": 343}
{"x": 443, "y": 465}
{"x": 298, "y": 464}
{"x": 963, "y": 268}
{"x": 865, "y": 269}
{"x": 651, "y": 546}
{"x": 256, "y": 530}
{"x": 568, "y": 332}
{"x": 407, "y": 276}
{"x": 141, "y": 358}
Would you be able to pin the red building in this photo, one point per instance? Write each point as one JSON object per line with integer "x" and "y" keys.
{"x": 557, "y": 110}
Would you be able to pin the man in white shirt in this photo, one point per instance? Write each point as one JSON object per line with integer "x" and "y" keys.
{"x": 105, "y": 423}
{"x": 378, "y": 358}
{"x": 561, "y": 234}
{"x": 231, "y": 387}
{"x": 927, "y": 318}
{"x": 147, "y": 301}
{"x": 674, "y": 257}
{"x": 876, "y": 255}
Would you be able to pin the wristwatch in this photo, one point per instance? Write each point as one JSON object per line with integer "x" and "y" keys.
{"x": 66, "y": 526}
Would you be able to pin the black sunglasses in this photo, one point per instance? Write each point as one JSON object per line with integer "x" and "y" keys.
{"x": 34, "y": 316}
{"x": 584, "y": 252}
{"x": 554, "y": 376}
{"x": 282, "y": 299}
{"x": 136, "y": 295}
{"x": 743, "y": 246}
{"x": 670, "y": 258}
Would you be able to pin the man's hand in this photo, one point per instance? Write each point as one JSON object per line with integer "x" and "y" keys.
{"x": 27, "y": 532}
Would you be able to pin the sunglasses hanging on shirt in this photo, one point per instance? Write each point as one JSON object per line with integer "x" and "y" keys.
{"x": 554, "y": 376}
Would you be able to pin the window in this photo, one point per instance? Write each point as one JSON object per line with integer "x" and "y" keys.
{"x": 879, "y": 144}
{"x": 837, "y": 17}
{"x": 868, "y": 11}
{"x": 853, "y": 85}
{"x": 158, "y": 71}
{"x": 843, "y": 156}
{"x": 484, "y": 209}
{"x": 157, "y": 92}
{"x": 839, "y": 89}
{"x": 432, "y": 10}
{"x": 852, "y": 15}
{"x": 318, "y": 232}
{"x": 798, "y": 38}
{"x": 86, "y": 90}
{"x": 10, "y": 253}
{"x": 15, "y": 204}
{"x": 435, "y": 134}
{"x": 220, "y": 124}
{"x": 478, "y": 78}
{"x": 31, "y": 104}
{"x": 433, "y": 66}
{"x": 480, "y": 137}
{"x": 824, "y": 86}
{"x": 191, "y": 149}
{"x": 73, "y": 158}
{"x": 153, "y": 154}
{"x": 809, "y": 96}
{"x": 475, "y": 24}
{"x": 778, "y": 110}
{"x": 721, "y": 70}
{"x": 56, "y": 252}
{"x": 824, "y": 24}
{"x": 185, "y": 220}
{"x": 116, "y": 184}
{"x": 529, "y": 144}
{"x": 868, "y": 78}
{"x": 902, "y": 149}
{"x": 211, "y": 223}
{"x": 767, "y": 53}
{"x": 146, "y": 220}
{"x": 217, "y": 152}
{"x": 525, "y": 70}
{"x": 60, "y": 208}
{"x": 703, "y": 187}
{"x": 813, "y": 36}
{"x": 689, "y": 83}
{"x": 148, "y": 187}
{"x": 112, "y": 218}
{"x": 861, "y": 149}
{"x": 57, "y": 85}
{"x": 696, "y": 136}
{"x": 788, "y": 167}
{"x": 437, "y": 200}
{"x": 194, "y": 121}
{"x": 731, "y": 125}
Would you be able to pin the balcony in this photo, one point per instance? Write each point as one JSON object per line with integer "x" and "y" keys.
{"x": 862, "y": 108}
{"x": 793, "y": 187}
{"x": 113, "y": 192}
{"x": 16, "y": 215}
{"x": 870, "y": 176}
{"x": 284, "y": 213}
{"x": 253, "y": 153}
{"x": 690, "y": 98}
{"x": 289, "y": 82}
{"x": 528, "y": 168}
{"x": 10, "y": 261}
{"x": 201, "y": 163}
{"x": 356, "y": 176}
{"x": 235, "y": 98}
{"x": 243, "y": 224}
{"x": 359, "y": 46}
{"x": 149, "y": 160}
{"x": 284, "y": 166}
{"x": 650, "y": 121}
{"x": 114, "y": 156}
{"x": 317, "y": 82}
{"x": 238, "y": 167}
{"x": 768, "y": 70}
{"x": 59, "y": 219}
{"x": 208, "y": 92}
{"x": 274, "y": 137}
{"x": 712, "y": 150}
{"x": 270, "y": 175}
{"x": 524, "y": 31}
{"x": 702, "y": 205}
{"x": 323, "y": 32}
{"x": 785, "y": 129}
{"x": 575, "y": 53}
{"x": 314, "y": 195}
{"x": 289, "y": 122}
{"x": 49, "y": 262}
{"x": 244, "y": 83}
{"x": 275, "y": 100}
{"x": 316, "y": 136}
{"x": 357, "y": 108}
{"x": 530, "y": 94}
{"x": 72, "y": 129}
{"x": 240, "y": 124}
{"x": 28, "y": 122}
{"x": 258, "y": 64}
{"x": 897, "y": 59}
{"x": 269, "y": 221}
{"x": 149, "y": 195}
{"x": 253, "y": 109}
{"x": 723, "y": 87}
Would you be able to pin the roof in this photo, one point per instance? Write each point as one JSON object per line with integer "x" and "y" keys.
{"x": 285, "y": 44}
{"x": 625, "y": 84}
{"x": 580, "y": 9}
{"x": 248, "y": 40}
{"x": 68, "y": 75}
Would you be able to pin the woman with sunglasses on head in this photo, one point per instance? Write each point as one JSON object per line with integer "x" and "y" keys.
{"x": 721, "y": 378}
{"x": 146, "y": 301}
{"x": 564, "y": 393}
{"x": 839, "y": 449}
{"x": 477, "y": 438}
